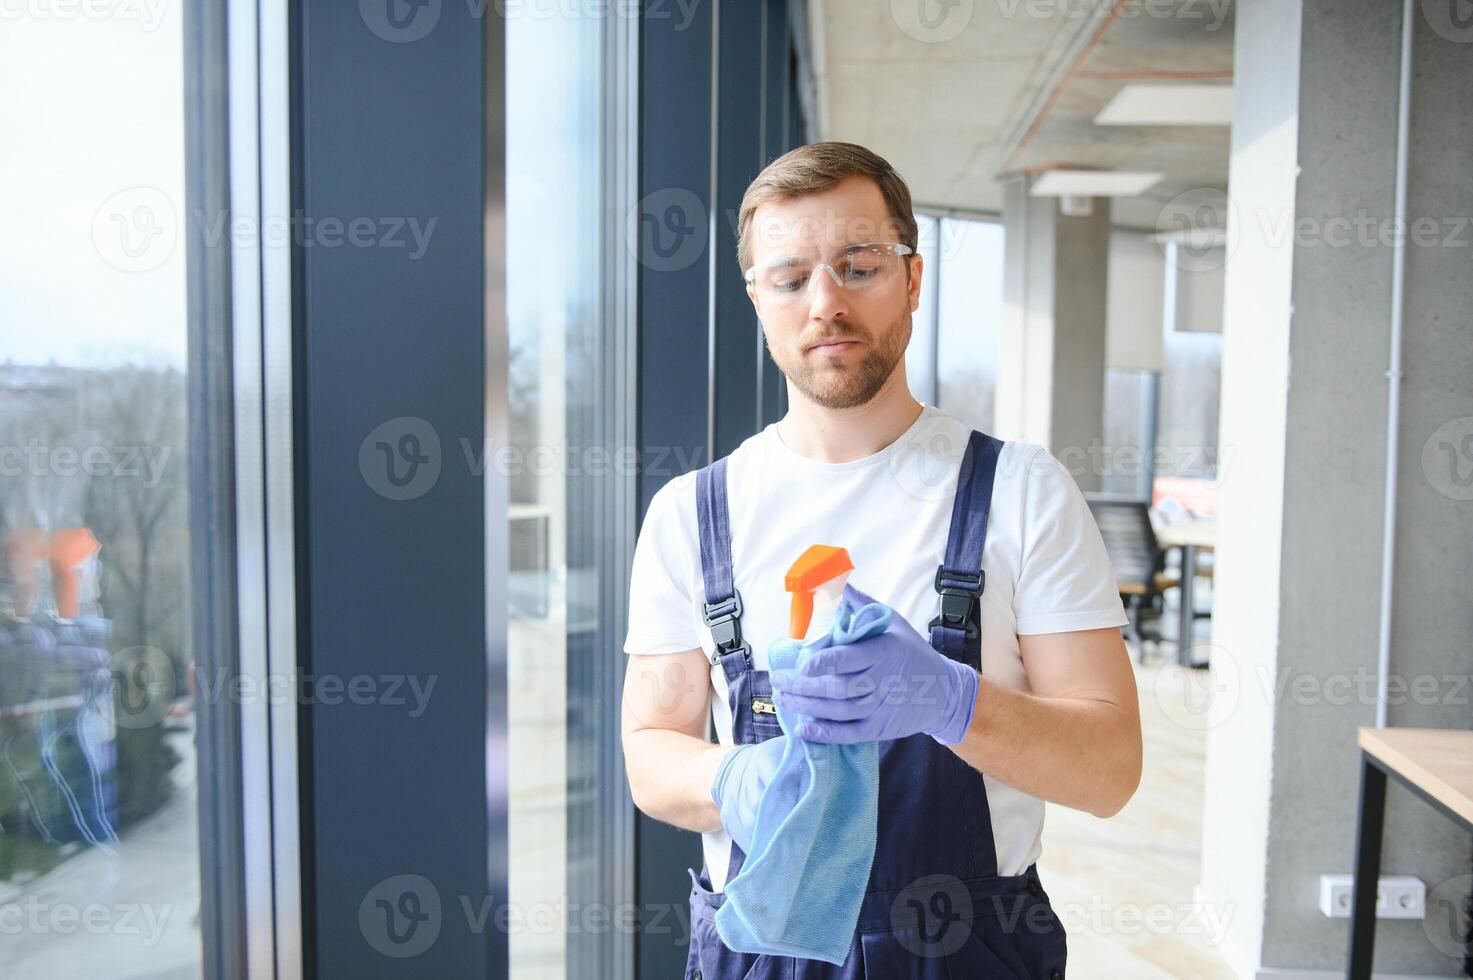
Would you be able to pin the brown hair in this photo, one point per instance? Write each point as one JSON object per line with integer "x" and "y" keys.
{"x": 815, "y": 168}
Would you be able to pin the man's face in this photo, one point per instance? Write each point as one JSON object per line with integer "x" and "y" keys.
{"x": 837, "y": 346}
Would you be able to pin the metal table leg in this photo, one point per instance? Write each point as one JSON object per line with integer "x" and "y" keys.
{"x": 1369, "y": 823}
{"x": 1187, "y": 613}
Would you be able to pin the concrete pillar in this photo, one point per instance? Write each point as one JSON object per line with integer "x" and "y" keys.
{"x": 1303, "y": 420}
{"x": 1051, "y": 356}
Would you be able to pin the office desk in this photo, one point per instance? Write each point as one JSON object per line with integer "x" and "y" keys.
{"x": 1435, "y": 764}
{"x": 1189, "y": 536}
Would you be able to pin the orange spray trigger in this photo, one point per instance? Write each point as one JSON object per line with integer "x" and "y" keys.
{"x": 821, "y": 570}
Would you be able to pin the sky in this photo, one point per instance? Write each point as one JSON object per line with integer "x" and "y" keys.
{"x": 92, "y": 149}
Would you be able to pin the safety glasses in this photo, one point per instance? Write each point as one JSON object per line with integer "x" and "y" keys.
{"x": 789, "y": 279}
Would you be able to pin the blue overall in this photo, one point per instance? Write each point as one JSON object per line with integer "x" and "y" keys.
{"x": 935, "y": 905}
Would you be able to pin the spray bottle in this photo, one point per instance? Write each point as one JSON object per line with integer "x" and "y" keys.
{"x": 816, "y": 581}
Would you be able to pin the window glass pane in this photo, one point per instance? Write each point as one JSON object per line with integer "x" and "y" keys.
{"x": 969, "y": 319}
{"x": 920, "y": 354}
{"x": 1128, "y": 400}
{"x": 1189, "y": 398}
{"x": 99, "y": 870}
{"x": 559, "y": 475}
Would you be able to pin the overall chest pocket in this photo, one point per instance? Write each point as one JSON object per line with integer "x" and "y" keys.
{"x": 756, "y": 707}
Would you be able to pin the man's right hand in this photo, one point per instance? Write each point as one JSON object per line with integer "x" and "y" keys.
{"x": 743, "y": 774}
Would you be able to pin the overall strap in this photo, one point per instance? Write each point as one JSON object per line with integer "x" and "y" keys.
{"x": 723, "y": 605}
{"x": 956, "y": 632}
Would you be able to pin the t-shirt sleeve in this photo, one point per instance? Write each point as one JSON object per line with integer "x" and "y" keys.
{"x": 1065, "y": 581}
{"x": 660, "y": 611}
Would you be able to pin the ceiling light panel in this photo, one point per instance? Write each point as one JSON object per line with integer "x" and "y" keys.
{"x": 1094, "y": 183}
{"x": 1169, "y": 105}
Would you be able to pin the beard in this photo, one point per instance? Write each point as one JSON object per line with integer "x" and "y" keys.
{"x": 842, "y": 382}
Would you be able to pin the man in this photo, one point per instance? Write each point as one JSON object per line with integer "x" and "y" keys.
{"x": 827, "y": 242}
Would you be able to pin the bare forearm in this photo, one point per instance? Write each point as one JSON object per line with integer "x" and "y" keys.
{"x": 670, "y": 777}
{"x": 1082, "y": 753}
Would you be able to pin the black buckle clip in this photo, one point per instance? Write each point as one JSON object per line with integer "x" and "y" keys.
{"x": 724, "y": 621}
{"x": 959, "y": 606}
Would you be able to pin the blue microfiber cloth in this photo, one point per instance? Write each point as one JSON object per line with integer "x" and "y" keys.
{"x": 799, "y": 890}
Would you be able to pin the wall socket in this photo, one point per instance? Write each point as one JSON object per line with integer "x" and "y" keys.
{"x": 1397, "y": 896}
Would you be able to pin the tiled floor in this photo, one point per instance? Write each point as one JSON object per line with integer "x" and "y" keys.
{"x": 1123, "y": 886}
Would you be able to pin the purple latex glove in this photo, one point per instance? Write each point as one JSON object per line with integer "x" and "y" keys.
{"x": 891, "y": 685}
{"x": 743, "y": 774}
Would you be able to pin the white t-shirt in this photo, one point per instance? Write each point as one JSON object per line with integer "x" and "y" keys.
{"x": 1045, "y": 564}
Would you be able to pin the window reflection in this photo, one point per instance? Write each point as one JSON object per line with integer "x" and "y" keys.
{"x": 99, "y": 873}
{"x": 556, "y": 385}
{"x": 969, "y": 318}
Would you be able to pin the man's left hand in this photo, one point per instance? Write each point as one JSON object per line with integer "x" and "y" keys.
{"x": 891, "y": 685}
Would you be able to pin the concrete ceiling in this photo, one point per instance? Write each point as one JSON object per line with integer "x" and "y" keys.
{"x": 958, "y": 94}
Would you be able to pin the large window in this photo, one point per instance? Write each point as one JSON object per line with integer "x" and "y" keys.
{"x": 99, "y": 867}
{"x": 565, "y": 473}
{"x": 952, "y": 358}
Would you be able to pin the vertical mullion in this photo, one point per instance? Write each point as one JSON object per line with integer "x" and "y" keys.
{"x": 278, "y": 420}
{"x": 250, "y": 503}
{"x": 614, "y": 545}
{"x": 212, "y": 524}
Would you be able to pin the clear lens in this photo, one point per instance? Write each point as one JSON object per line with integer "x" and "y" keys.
{"x": 787, "y": 279}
